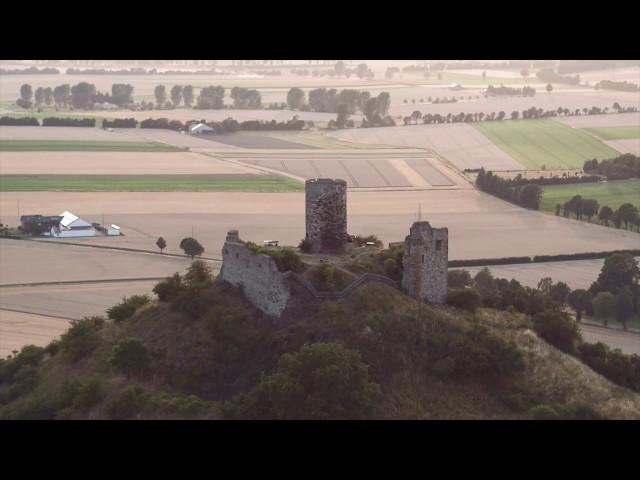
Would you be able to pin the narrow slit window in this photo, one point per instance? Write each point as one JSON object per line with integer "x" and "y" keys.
{"x": 422, "y": 258}
{"x": 438, "y": 245}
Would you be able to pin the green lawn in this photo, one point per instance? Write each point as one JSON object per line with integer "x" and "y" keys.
{"x": 538, "y": 143}
{"x": 148, "y": 183}
{"x": 612, "y": 194}
{"x": 84, "y": 145}
{"x": 616, "y": 133}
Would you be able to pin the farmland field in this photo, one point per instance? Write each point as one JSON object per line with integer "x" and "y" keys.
{"x": 616, "y": 133}
{"x": 83, "y": 145}
{"x": 612, "y": 194}
{"x": 609, "y": 120}
{"x": 148, "y": 183}
{"x": 459, "y": 143}
{"x": 538, "y": 143}
{"x": 631, "y": 145}
{"x": 120, "y": 163}
{"x": 480, "y": 226}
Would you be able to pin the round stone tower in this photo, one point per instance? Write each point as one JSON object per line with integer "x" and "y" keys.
{"x": 326, "y": 214}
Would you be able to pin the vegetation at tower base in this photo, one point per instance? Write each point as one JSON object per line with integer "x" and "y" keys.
{"x": 201, "y": 350}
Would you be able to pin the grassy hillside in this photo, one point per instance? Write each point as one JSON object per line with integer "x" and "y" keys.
{"x": 616, "y": 133}
{"x": 148, "y": 183}
{"x": 84, "y": 145}
{"x": 538, "y": 143}
{"x": 613, "y": 193}
{"x": 205, "y": 352}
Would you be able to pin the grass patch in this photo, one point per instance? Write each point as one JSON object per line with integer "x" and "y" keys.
{"x": 538, "y": 143}
{"x": 148, "y": 183}
{"x": 84, "y": 145}
{"x": 612, "y": 194}
{"x": 616, "y": 133}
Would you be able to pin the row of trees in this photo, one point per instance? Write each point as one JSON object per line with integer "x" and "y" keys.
{"x": 329, "y": 101}
{"x": 528, "y": 195}
{"x": 620, "y": 86}
{"x": 620, "y": 168}
{"x": 29, "y": 71}
{"x": 83, "y": 95}
{"x": 525, "y": 91}
{"x": 579, "y": 207}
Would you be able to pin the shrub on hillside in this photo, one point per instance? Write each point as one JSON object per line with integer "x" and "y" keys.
{"x": 612, "y": 364}
{"x": 558, "y": 329}
{"x": 464, "y": 298}
{"x": 127, "y": 307}
{"x": 81, "y": 338}
{"x": 130, "y": 357}
{"x": 126, "y": 404}
{"x": 304, "y": 245}
{"x": 90, "y": 392}
{"x": 319, "y": 382}
{"x": 459, "y": 278}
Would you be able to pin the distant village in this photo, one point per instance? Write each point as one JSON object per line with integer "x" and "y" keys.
{"x": 65, "y": 225}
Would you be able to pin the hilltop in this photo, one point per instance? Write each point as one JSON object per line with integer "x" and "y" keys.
{"x": 205, "y": 352}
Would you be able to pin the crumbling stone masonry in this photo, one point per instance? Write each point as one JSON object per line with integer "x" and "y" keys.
{"x": 257, "y": 273}
{"x": 326, "y": 214}
{"x": 426, "y": 253}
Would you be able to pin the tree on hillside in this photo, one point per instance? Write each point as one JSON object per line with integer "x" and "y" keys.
{"x": 459, "y": 278}
{"x": 187, "y": 96}
{"x": 320, "y": 381}
{"x": 624, "y": 306}
{"x": 176, "y": 94}
{"x": 530, "y": 196}
{"x": 559, "y": 293}
{"x": 589, "y": 207}
{"x": 627, "y": 213}
{"x": 618, "y": 271}
{"x": 604, "y": 306}
{"x": 130, "y": 357}
{"x": 484, "y": 282}
{"x": 606, "y": 213}
{"x": 558, "y": 329}
{"x": 160, "y": 93}
{"x": 198, "y": 274}
{"x": 580, "y": 301}
{"x": 191, "y": 247}
{"x": 295, "y": 98}
{"x": 161, "y": 243}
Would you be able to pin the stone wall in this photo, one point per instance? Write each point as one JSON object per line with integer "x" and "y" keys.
{"x": 426, "y": 255}
{"x": 257, "y": 273}
{"x": 326, "y": 214}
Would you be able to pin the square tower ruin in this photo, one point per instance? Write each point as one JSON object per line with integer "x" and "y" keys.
{"x": 426, "y": 255}
{"x": 326, "y": 214}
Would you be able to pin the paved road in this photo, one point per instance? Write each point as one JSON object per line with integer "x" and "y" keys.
{"x": 627, "y": 342}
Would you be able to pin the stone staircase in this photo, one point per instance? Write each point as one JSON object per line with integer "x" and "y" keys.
{"x": 323, "y": 295}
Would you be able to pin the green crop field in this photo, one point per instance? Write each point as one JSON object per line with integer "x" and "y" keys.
{"x": 612, "y": 194}
{"x": 148, "y": 183}
{"x": 84, "y": 145}
{"x": 545, "y": 143}
{"x": 616, "y": 133}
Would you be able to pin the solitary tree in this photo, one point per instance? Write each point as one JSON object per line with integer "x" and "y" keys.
{"x": 579, "y": 300}
{"x": 604, "y": 306}
{"x": 606, "y": 213}
{"x": 549, "y": 87}
{"x": 191, "y": 247}
{"x": 624, "y": 306}
{"x": 161, "y": 243}
{"x": 26, "y": 92}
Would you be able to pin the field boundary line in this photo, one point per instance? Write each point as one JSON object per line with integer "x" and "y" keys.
{"x": 106, "y": 247}
{"x": 38, "y": 314}
{"x": 79, "y": 282}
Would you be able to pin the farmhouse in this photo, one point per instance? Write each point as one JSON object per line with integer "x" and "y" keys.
{"x": 73, "y": 226}
{"x": 200, "y": 128}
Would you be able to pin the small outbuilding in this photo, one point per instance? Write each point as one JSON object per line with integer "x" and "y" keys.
{"x": 113, "y": 230}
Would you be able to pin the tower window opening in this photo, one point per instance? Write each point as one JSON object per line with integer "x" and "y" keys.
{"x": 438, "y": 245}
{"x": 422, "y": 258}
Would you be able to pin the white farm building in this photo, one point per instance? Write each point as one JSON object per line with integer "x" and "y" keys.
{"x": 73, "y": 226}
{"x": 200, "y": 128}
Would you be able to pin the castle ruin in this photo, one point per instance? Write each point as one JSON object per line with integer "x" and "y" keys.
{"x": 326, "y": 214}
{"x": 424, "y": 264}
{"x": 270, "y": 290}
